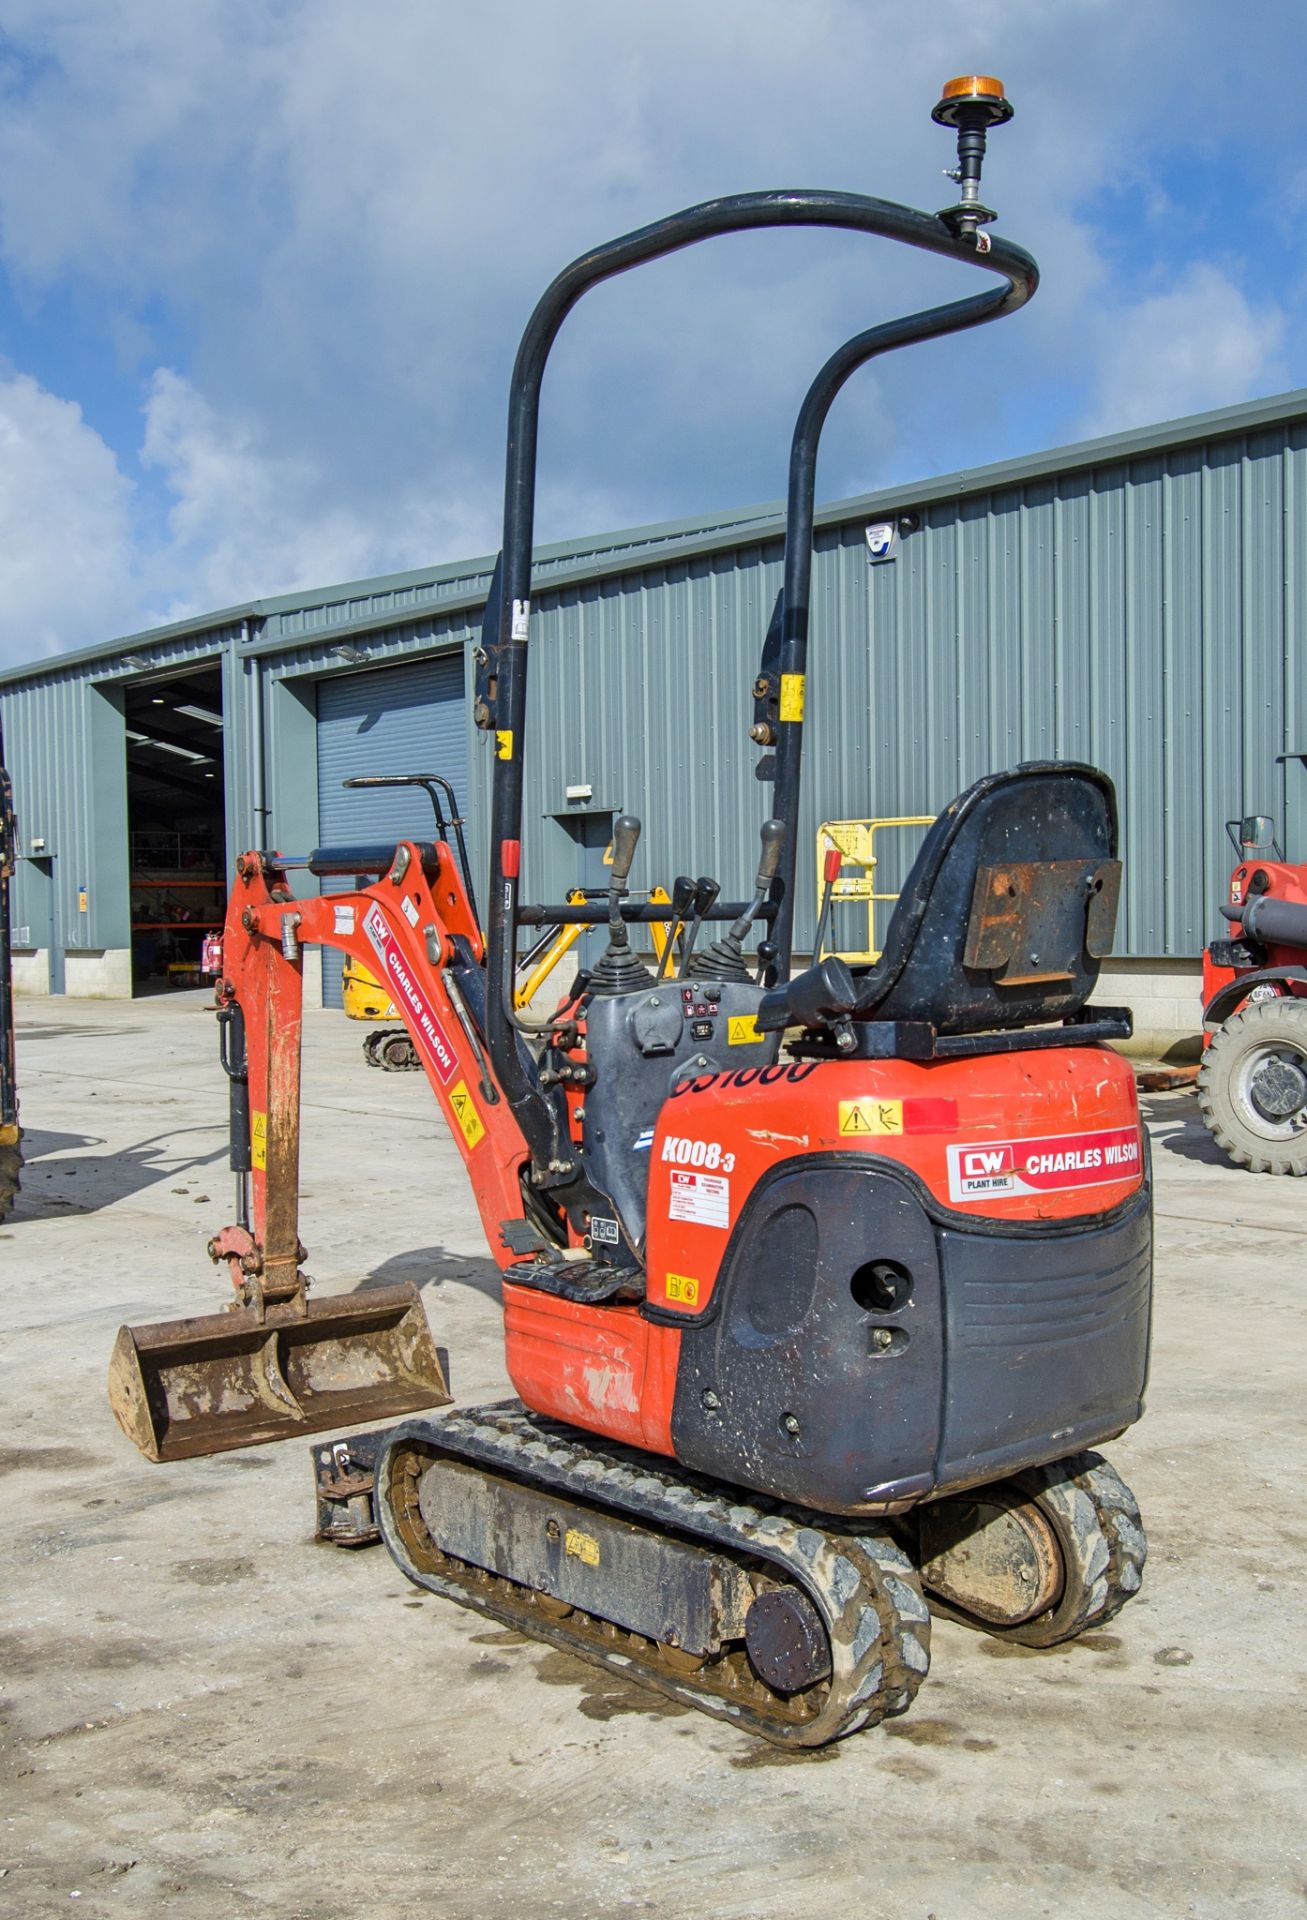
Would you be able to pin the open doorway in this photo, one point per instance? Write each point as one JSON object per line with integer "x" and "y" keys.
{"x": 176, "y": 824}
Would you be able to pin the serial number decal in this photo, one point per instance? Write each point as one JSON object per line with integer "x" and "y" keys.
{"x": 994, "y": 1169}
{"x": 430, "y": 1035}
{"x": 704, "y": 1199}
{"x": 697, "y": 1153}
{"x": 681, "y": 1288}
{"x": 794, "y": 1073}
{"x": 581, "y": 1546}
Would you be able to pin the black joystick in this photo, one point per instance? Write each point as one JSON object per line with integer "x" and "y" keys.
{"x": 724, "y": 959}
{"x": 618, "y": 970}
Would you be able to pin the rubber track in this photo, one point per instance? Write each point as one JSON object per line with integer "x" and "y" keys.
{"x": 374, "y": 1051}
{"x": 862, "y": 1584}
{"x": 1093, "y": 1512}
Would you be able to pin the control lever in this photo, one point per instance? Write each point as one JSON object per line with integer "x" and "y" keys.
{"x": 618, "y": 970}
{"x": 724, "y": 959}
{"x": 830, "y": 874}
{"x": 683, "y": 892}
{"x": 626, "y": 838}
{"x": 705, "y": 898}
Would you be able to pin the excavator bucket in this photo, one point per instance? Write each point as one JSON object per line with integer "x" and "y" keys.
{"x": 180, "y": 1388}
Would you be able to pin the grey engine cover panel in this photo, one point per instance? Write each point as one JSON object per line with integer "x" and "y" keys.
{"x": 641, "y": 1044}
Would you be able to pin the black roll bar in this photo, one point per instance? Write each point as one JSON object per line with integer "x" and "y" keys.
{"x": 796, "y": 589}
{"x": 506, "y": 646}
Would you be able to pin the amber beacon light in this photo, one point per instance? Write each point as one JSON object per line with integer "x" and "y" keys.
{"x": 973, "y": 103}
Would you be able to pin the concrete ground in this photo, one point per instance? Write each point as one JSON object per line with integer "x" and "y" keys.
{"x": 206, "y": 1715}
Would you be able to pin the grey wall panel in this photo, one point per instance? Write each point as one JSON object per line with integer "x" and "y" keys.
{"x": 1145, "y": 615}
{"x": 402, "y": 719}
{"x": 1140, "y": 603}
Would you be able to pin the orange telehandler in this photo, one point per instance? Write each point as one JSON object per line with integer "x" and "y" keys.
{"x": 819, "y": 1291}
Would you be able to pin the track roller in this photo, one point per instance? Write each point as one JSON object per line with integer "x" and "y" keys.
{"x": 1037, "y": 1558}
{"x": 789, "y": 1625}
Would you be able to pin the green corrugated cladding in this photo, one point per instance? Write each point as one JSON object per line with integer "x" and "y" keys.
{"x": 1138, "y": 602}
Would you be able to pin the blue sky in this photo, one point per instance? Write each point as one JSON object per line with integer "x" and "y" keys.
{"x": 263, "y": 265}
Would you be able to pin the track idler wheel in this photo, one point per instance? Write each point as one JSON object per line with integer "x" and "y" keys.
{"x": 1037, "y": 1558}
{"x": 394, "y": 1052}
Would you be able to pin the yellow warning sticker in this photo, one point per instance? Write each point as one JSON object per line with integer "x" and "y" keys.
{"x": 581, "y": 1546}
{"x": 680, "y": 1287}
{"x": 742, "y": 1030}
{"x": 259, "y": 1139}
{"x": 466, "y": 1114}
{"x": 504, "y": 743}
{"x": 868, "y": 1116}
{"x": 791, "y": 696}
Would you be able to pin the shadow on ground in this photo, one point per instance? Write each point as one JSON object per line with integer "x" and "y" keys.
{"x": 436, "y": 1267}
{"x": 1185, "y": 1134}
{"x": 63, "y": 1173}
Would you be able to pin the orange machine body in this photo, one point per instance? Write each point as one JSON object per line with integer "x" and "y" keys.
{"x": 1046, "y": 1137}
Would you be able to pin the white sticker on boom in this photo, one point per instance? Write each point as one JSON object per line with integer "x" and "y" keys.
{"x": 603, "y": 1231}
{"x": 521, "y": 615}
{"x": 410, "y": 911}
{"x": 344, "y": 919}
{"x": 704, "y": 1198}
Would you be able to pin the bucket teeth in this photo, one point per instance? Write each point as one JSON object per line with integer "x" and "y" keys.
{"x": 182, "y": 1388}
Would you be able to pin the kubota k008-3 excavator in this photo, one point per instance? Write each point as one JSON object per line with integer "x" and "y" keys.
{"x": 817, "y": 1291}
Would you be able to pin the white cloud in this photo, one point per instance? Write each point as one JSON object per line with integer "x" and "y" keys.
{"x": 246, "y": 520}
{"x": 65, "y": 527}
{"x": 331, "y": 221}
{"x": 1197, "y": 345}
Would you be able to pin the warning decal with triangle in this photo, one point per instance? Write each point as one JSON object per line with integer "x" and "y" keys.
{"x": 466, "y": 1114}
{"x": 869, "y": 1116}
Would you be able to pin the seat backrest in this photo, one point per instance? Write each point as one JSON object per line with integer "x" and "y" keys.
{"x": 1009, "y": 907}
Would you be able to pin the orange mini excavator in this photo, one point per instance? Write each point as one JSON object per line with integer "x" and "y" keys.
{"x": 818, "y": 1290}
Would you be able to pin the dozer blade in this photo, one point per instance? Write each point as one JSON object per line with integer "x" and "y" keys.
{"x": 180, "y": 1388}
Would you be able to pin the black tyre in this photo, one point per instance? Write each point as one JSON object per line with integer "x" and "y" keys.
{"x": 11, "y": 1165}
{"x": 1252, "y": 1086}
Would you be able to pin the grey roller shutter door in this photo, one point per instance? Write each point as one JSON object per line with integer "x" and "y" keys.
{"x": 407, "y": 719}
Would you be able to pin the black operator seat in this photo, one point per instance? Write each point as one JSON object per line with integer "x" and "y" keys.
{"x": 1002, "y": 922}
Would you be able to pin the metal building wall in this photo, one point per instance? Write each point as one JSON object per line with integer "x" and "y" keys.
{"x": 1139, "y": 602}
{"x": 1147, "y": 614}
